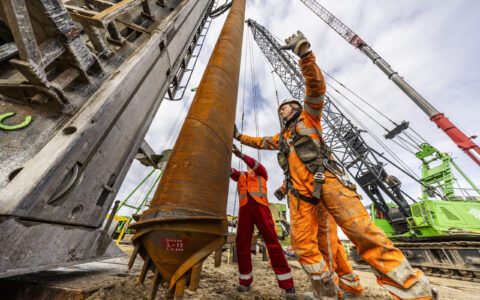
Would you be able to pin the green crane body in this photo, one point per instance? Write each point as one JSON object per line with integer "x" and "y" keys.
{"x": 452, "y": 217}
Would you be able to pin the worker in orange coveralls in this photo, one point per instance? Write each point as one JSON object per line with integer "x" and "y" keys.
{"x": 332, "y": 251}
{"x": 312, "y": 179}
{"x": 252, "y": 194}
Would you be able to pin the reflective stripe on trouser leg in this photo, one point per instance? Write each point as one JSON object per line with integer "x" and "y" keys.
{"x": 303, "y": 237}
{"x": 282, "y": 277}
{"x": 327, "y": 237}
{"x": 351, "y": 283}
{"x": 416, "y": 287}
{"x": 371, "y": 242}
{"x": 329, "y": 244}
{"x": 349, "y": 280}
{"x": 334, "y": 252}
{"x": 245, "y": 279}
{"x": 245, "y": 276}
{"x": 317, "y": 271}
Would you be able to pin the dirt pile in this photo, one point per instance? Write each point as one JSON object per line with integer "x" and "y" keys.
{"x": 221, "y": 283}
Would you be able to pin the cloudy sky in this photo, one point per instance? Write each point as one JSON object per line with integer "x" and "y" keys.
{"x": 433, "y": 44}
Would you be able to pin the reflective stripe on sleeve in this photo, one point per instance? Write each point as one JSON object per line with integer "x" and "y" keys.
{"x": 285, "y": 276}
{"x": 270, "y": 142}
{"x": 255, "y": 166}
{"x": 315, "y": 100}
{"x": 264, "y": 143}
{"x": 241, "y": 196}
{"x": 312, "y": 111}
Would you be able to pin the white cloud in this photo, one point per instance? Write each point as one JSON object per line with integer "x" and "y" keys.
{"x": 433, "y": 44}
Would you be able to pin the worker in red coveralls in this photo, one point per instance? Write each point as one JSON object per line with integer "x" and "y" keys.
{"x": 252, "y": 193}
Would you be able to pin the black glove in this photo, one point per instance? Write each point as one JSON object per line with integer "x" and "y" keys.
{"x": 279, "y": 194}
{"x": 237, "y": 152}
{"x": 236, "y": 134}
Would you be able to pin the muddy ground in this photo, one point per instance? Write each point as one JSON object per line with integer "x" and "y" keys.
{"x": 221, "y": 283}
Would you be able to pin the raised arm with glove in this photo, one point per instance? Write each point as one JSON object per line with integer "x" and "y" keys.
{"x": 302, "y": 156}
{"x": 298, "y": 43}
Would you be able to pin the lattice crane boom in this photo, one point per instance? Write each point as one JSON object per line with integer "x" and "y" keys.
{"x": 464, "y": 142}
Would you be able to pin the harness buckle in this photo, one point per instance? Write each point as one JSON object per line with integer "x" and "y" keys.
{"x": 319, "y": 176}
{"x": 339, "y": 171}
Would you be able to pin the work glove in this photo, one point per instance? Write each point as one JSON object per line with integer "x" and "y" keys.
{"x": 280, "y": 193}
{"x": 237, "y": 152}
{"x": 295, "y": 42}
{"x": 236, "y": 134}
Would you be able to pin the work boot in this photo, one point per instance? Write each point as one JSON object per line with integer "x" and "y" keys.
{"x": 290, "y": 294}
{"x": 325, "y": 288}
{"x": 435, "y": 295}
{"x": 243, "y": 288}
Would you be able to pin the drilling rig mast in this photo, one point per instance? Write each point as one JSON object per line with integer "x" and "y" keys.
{"x": 90, "y": 76}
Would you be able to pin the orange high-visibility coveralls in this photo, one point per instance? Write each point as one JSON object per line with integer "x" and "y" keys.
{"x": 334, "y": 253}
{"x": 389, "y": 264}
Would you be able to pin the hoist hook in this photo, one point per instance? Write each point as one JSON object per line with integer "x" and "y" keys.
{"x": 25, "y": 123}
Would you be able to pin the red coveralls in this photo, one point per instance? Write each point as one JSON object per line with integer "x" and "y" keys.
{"x": 254, "y": 211}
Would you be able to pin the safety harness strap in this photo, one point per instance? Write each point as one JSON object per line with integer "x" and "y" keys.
{"x": 319, "y": 177}
{"x": 318, "y": 180}
{"x": 299, "y": 196}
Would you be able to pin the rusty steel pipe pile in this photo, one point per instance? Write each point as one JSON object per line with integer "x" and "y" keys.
{"x": 186, "y": 219}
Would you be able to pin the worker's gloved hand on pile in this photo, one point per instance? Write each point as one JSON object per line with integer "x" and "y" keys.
{"x": 237, "y": 152}
{"x": 236, "y": 134}
{"x": 295, "y": 43}
{"x": 280, "y": 192}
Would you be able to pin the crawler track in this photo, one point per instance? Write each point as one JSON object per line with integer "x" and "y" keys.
{"x": 458, "y": 260}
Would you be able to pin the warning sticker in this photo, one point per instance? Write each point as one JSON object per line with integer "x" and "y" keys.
{"x": 176, "y": 245}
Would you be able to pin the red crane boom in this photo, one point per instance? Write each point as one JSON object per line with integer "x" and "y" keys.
{"x": 463, "y": 142}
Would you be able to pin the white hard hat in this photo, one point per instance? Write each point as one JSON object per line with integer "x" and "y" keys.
{"x": 290, "y": 101}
